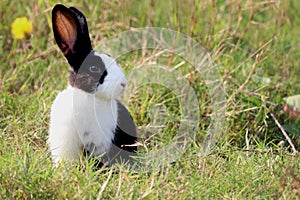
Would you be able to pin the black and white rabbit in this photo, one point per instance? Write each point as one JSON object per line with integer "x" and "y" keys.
{"x": 86, "y": 117}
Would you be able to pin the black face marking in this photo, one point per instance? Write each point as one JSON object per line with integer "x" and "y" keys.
{"x": 104, "y": 74}
{"x": 91, "y": 73}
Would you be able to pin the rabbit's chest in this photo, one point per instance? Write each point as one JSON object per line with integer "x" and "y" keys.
{"x": 95, "y": 122}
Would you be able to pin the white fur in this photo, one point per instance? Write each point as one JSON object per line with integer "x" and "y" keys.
{"x": 111, "y": 86}
{"x": 80, "y": 119}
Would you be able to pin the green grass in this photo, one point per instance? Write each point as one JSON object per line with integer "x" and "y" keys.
{"x": 252, "y": 160}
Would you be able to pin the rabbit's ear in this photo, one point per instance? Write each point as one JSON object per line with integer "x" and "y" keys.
{"x": 71, "y": 34}
{"x": 82, "y": 21}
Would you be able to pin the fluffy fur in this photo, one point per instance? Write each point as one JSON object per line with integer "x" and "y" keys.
{"x": 84, "y": 120}
{"x": 86, "y": 116}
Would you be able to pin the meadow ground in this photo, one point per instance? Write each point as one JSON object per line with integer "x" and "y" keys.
{"x": 255, "y": 46}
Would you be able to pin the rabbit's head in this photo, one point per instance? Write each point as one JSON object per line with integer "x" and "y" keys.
{"x": 90, "y": 71}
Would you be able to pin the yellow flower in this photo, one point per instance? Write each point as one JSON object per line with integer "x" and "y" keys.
{"x": 20, "y": 27}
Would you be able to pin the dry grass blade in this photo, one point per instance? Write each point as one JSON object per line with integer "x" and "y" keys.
{"x": 104, "y": 185}
{"x": 284, "y": 133}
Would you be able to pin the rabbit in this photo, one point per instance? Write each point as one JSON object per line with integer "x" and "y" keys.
{"x": 86, "y": 117}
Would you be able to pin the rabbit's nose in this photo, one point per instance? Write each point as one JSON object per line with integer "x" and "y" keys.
{"x": 123, "y": 84}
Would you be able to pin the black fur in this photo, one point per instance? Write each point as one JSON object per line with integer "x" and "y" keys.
{"x": 68, "y": 23}
{"x": 124, "y": 144}
{"x": 88, "y": 80}
{"x": 74, "y": 50}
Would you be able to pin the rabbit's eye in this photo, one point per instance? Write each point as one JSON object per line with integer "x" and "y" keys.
{"x": 94, "y": 69}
